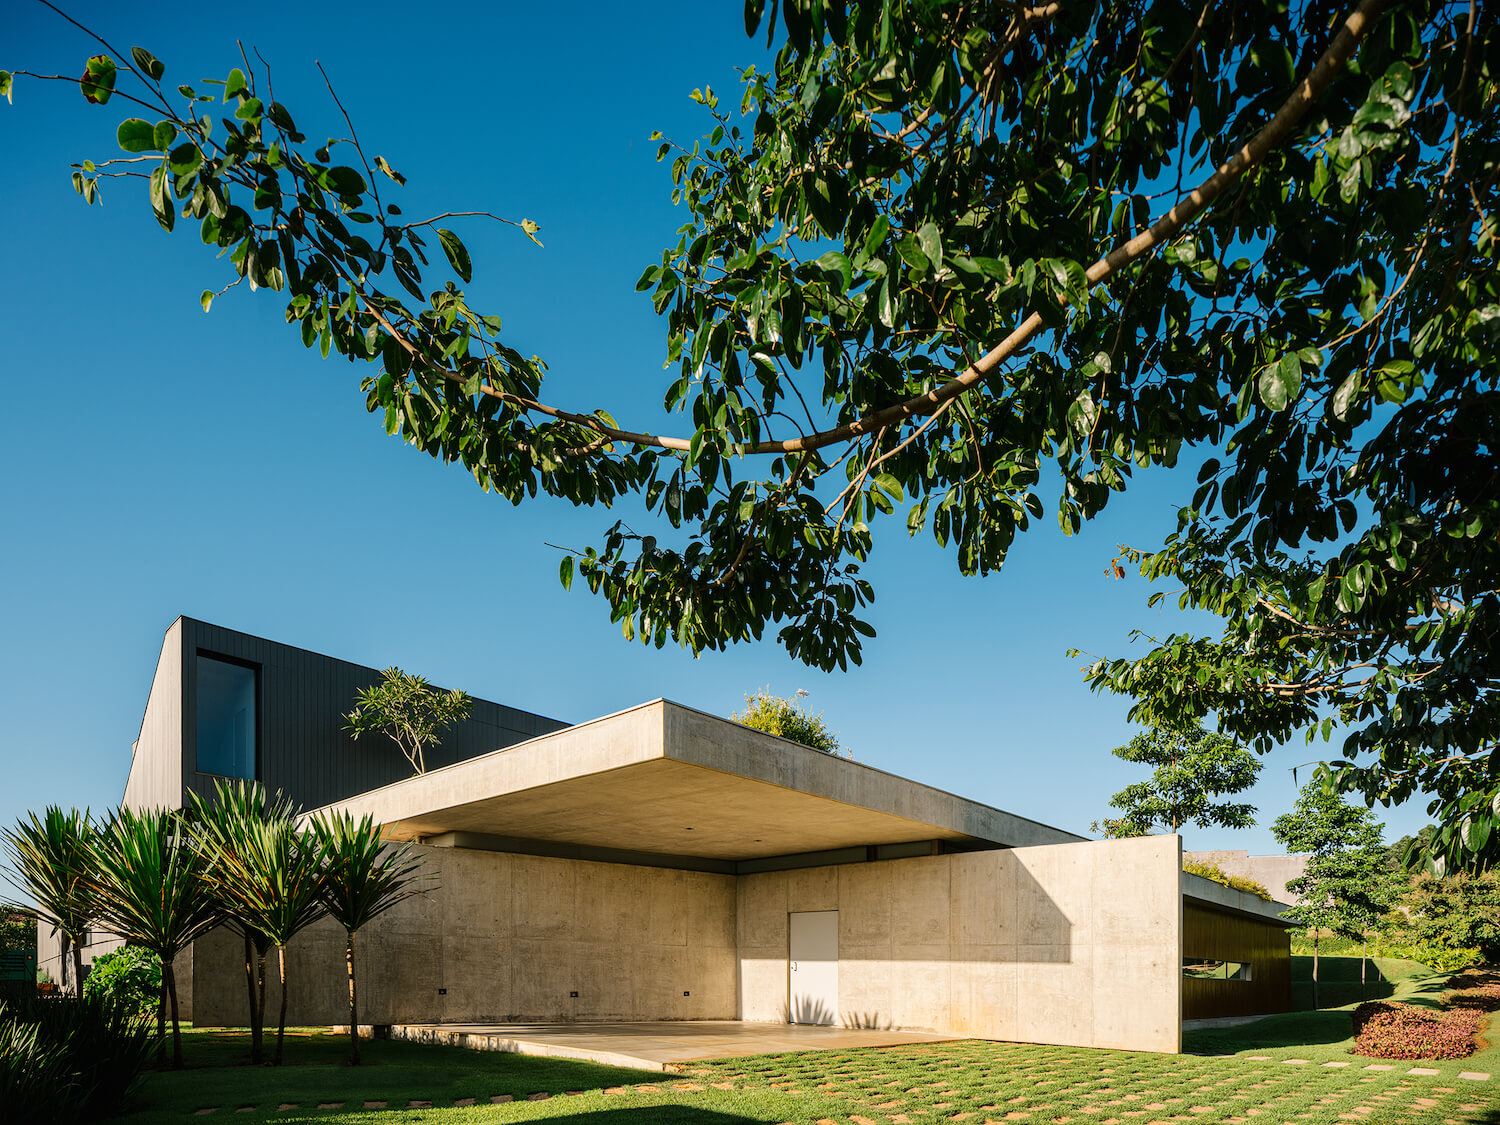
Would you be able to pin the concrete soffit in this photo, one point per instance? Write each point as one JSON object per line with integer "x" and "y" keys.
{"x": 662, "y": 780}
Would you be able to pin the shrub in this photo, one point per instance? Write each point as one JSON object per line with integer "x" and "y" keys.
{"x": 788, "y": 719}
{"x": 1443, "y": 958}
{"x": 1223, "y": 878}
{"x": 1477, "y": 990}
{"x": 1384, "y": 1029}
{"x": 37, "y": 1084}
{"x": 84, "y": 1053}
{"x": 131, "y": 975}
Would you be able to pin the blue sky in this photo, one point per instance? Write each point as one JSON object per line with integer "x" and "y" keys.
{"x": 159, "y": 462}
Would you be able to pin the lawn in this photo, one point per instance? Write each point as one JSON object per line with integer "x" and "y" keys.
{"x": 970, "y": 1080}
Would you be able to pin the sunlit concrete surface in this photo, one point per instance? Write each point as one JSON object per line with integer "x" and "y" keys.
{"x": 654, "y": 1046}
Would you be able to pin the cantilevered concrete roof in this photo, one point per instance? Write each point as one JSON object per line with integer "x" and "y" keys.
{"x": 668, "y": 780}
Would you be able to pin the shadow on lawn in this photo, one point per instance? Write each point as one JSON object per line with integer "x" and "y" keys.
{"x": 1293, "y": 1029}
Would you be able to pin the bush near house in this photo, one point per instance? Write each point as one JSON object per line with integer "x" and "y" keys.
{"x": 67, "y": 1059}
{"x": 131, "y": 975}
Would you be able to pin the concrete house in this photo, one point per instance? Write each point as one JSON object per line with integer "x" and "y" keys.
{"x": 664, "y": 864}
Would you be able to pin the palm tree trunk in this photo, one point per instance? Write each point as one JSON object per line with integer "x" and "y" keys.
{"x": 161, "y": 1018}
{"x": 77, "y": 968}
{"x": 281, "y": 1027}
{"x": 169, "y": 978}
{"x": 353, "y": 1005}
{"x": 250, "y": 989}
{"x": 258, "y": 1032}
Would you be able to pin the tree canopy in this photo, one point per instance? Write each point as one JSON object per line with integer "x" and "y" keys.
{"x": 1189, "y": 769}
{"x": 409, "y": 711}
{"x": 788, "y": 718}
{"x": 936, "y": 257}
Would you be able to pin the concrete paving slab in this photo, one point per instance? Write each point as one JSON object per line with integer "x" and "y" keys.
{"x": 655, "y": 1046}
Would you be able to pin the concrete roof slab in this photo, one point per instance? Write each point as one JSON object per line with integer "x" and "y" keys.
{"x": 662, "y": 778}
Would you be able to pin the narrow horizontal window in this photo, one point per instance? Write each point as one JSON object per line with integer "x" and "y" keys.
{"x": 1207, "y": 968}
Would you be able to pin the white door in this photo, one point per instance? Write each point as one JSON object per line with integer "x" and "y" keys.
{"x": 813, "y": 979}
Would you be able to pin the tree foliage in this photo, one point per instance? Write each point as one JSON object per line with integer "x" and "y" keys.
{"x": 51, "y": 858}
{"x": 1189, "y": 769}
{"x": 1453, "y": 912}
{"x": 934, "y": 249}
{"x": 408, "y": 711}
{"x": 788, "y": 718}
{"x": 129, "y": 976}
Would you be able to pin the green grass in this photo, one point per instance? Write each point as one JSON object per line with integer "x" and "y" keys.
{"x": 1385, "y": 978}
{"x": 969, "y": 1080}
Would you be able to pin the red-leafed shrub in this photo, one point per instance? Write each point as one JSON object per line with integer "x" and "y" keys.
{"x": 1388, "y": 1030}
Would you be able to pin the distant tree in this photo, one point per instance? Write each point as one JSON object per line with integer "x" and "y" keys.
{"x": 1412, "y": 853}
{"x": 148, "y": 881}
{"x": 787, "y": 718}
{"x": 361, "y": 878}
{"x": 1190, "y": 767}
{"x": 1453, "y": 911}
{"x": 50, "y": 857}
{"x": 17, "y": 927}
{"x": 408, "y": 711}
{"x": 1348, "y": 885}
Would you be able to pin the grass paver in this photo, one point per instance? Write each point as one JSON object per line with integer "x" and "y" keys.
{"x": 968, "y": 1081}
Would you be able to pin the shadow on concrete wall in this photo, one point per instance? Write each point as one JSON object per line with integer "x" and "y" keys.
{"x": 806, "y": 1009}
{"x": 866, "y": 1021}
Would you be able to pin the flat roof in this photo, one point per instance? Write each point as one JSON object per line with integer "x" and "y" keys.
{"x": 670, "y": 780}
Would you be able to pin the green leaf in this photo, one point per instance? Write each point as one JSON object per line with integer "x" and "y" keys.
{"x": 458, "y": 256}
{"x": 184, "y": 159}
{"x": 6, "y": 82}
{"x": 147, "y": 63}
{"x": 531, "y": 228}
{"x": 931, "y": 243}
{"x": 136, "y": 135}
{"x": 249, "y": 109}
{"x": 98, "y": 81}
{"x": 835, "y": 263}
{"x": 235, "y": 84}
{"x": 163, "y": 136}
{"x": 384, "y": 166}
{"x": 565, "y": 572}
{"x": 207, "y": 299}
{"x": 1280, "y": 382}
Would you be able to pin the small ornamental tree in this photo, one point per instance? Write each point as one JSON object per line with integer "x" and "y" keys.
{"x": 1348, "y": 885}
{"x": 787, "y": 718}
{"x": 1190, "y": 767}
{"x": 408, "y": 711}
{"x": 50, "y": 857}
{"x": 361, "y": 878}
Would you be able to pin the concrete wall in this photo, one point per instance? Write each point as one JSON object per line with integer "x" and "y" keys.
{"x": 1075, "y": 944}
{"x": 508, "y": 937}
{"x": 1273, "y": 872}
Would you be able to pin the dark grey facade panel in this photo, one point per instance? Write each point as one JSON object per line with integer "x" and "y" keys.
{"x": 303, "y": 749}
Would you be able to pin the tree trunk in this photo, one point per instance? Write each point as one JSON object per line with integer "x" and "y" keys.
{"x": 259, "y": 1031}
{"x": 281, "y": 1026}
{"x": 250, "y": 989}
{"x": 1315, "y": 970}
{"x": 161, "y": 1018}
{"x": 169, "y": 978}
{"x": 1364, "y": 955}
{"x": 353, "y": 1005}
{"x": 77, "y": 969}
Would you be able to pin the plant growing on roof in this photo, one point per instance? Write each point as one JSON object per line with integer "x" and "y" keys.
{"x": 788, "y": 718}
{"x": 1190, "y": 767}
{"x": 222, "y": 827}
{"x": 50, "y": 858}
{"x": 361, "y": 878}
{"x": 149, "y": 882}
{"x": 408, "y": 711}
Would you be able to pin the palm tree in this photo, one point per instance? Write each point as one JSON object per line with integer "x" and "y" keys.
{"x": 50, "y": 857}
{"x": 361, "y": 879}
{"x": 219, "y": 826}
{"x": 270, "y": 876}
{"x": 150, "y": 888}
